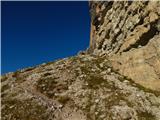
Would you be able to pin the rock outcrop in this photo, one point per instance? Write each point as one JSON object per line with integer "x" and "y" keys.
{"x": 129, "y": 32}
{"x": 117, "y": 78}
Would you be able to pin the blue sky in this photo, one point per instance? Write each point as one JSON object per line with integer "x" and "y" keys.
{"x": 38, "y": 32}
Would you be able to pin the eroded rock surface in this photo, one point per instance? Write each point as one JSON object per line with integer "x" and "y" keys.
{"x": 117, "y": 78}
{"x": 129, "y": 31}
{"x": 77, "y": 88}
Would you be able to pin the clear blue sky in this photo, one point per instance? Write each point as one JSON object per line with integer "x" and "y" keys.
{"x": 38, "y": 32}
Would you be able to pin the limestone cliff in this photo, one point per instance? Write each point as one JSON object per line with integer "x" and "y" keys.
{"x": 101, "y": 83}
{"x": 129, "y": 32}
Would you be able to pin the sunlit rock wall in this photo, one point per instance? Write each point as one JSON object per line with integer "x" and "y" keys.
{"x": 129, "y": 32}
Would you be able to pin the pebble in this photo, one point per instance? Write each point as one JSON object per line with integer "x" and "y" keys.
{"x": 109, "y": 70}
{"x": 126, "y": 81}
{"x": 60, "y": 106}
{"x": 97, "y": 100}
{"x": 101, "y": 65}
{"x": 96, "y": 113}
{"x": 69, "y": 87}
{"x": 138, "y": 95}
{"x": 102, "y": 116}
{"x": 11, "y": 106}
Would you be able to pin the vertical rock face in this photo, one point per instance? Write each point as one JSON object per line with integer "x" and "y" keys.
{"x": 129, "y": 32}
